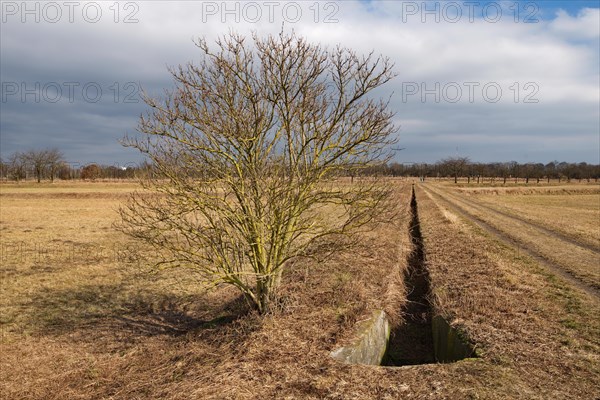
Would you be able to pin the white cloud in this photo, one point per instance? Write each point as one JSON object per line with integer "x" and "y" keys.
{"x": 586, "y": 25}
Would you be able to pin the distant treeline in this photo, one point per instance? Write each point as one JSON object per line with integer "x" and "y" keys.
{"x": 462, "y": 167}
{"x": 49, "y": 164}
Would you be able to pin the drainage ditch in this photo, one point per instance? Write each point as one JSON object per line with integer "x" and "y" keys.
{"x": 424, "y": 337}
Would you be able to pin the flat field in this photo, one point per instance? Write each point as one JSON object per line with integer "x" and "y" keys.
{"x": 82, "y": 316}
{"x": 558, "y": 224}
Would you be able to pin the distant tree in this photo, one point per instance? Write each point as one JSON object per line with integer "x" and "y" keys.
{"x": 564, "y": 171}
{"x": 396, "y": 169}
{"x": 91, "y": 172}
{"x": 17, "y": 166}
{"x": 44, "y": 163}
{"x": 476, "y": 171}
{"x": 596, "y": 172}
{"x": 527, "y": 170}
{"x": 584, "y": 171}
{"x": 515, "y": 170}
{"x": 54, "y": 160}
{"x": 64, "y": 171}
{"x": 551, "y": 171}
{"x": 38, "y": 161}
{"x": 115, "y": 172}
{"x": 130, "y": 172}
{"x": 537, "y": 172}
{"x": 3, "y": 169}
{"x": 455, "y": 166}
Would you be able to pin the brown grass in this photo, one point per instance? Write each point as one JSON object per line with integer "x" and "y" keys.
{"x": 80, "y": 319}
{"x": 578, "y": 213}
{"x": 91, "y": 323}
{"x": 541, "y": 332}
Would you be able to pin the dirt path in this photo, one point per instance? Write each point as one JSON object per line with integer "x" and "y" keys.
{"x": 537, "y": 226}
{"x": 579, "y": 261}
{"x": 511, "y": 241}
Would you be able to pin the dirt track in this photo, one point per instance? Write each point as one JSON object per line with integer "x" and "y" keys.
{"x": 537, "y": 226}
{"x": 458, "y": 206}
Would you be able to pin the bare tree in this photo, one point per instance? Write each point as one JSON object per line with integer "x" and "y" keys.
{"x": 455, "y": 166}
{"x": 17, "y": 165}
{"x": 64, "y": 171}
{"x": 54, "y": 161}
{"x": 38, "y": 161}
{"x": 246, "y": 151}
{"x": 4, "y": 169}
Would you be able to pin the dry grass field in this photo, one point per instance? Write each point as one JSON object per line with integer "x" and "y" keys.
{"x": 560, "y": 223}
{"x": 82, "y": 317}
{"x": 573, "y": 210}
{"x": 542, "y": 328}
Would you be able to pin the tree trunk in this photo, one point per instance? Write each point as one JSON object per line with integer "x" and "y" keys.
{"x": 266, "y": 292}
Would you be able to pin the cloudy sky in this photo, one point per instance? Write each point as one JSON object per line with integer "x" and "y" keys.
{"x": 493, "y": 81}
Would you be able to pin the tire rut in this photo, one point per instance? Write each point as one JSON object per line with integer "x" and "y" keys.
{"x": 506, "y": 239}
{"x": 531, "y": 224}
